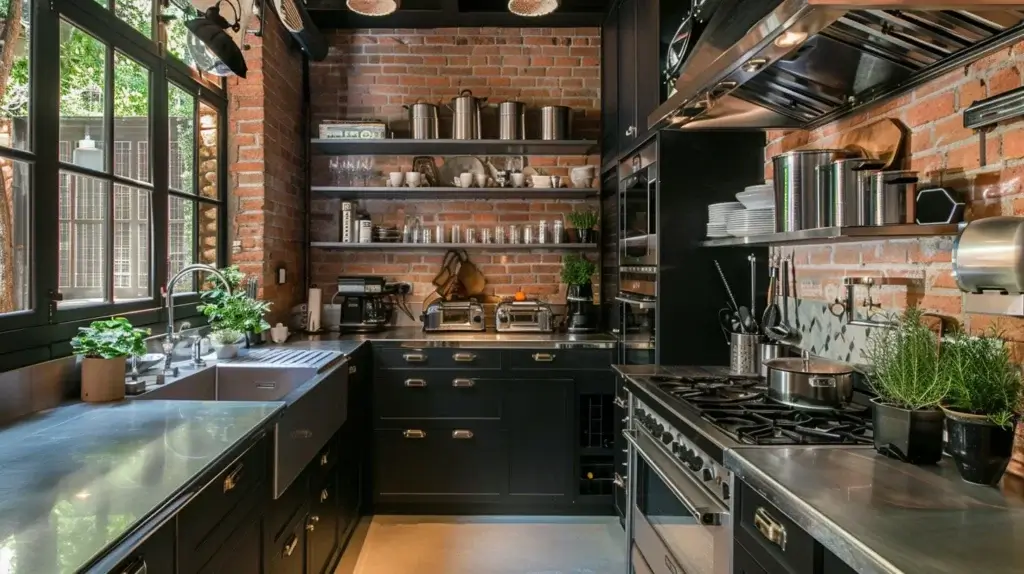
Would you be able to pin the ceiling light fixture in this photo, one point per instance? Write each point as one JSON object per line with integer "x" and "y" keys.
{"x": 533, "y": 8}
{"x": 210, "y": 28}
{"x": 373, "y": 7}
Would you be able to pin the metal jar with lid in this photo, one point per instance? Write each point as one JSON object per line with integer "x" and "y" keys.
{"x": 512, "y": 121}
{"x": 809, "y": 382}
{"x": 423, "y": 120}
{"x": 889, "y": 197}
{"x": 555, "y": 122}
{"x": 841, "y": 196}
{"x": 466, "y": 120}
{"x": 796, "y": 179}
{"x": 988, "y": 255}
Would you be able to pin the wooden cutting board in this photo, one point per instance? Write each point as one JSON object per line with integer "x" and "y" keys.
{"x": 881, "y": 140}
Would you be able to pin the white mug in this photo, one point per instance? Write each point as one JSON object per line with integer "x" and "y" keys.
{"x": 396, "y": 178}
{"x": 279, "y": 333}
{"x": 480, "y": 179}
{"x": 518, "y": 180}
{"x": 466, "y": 180}
{"x": 413, "y": 178}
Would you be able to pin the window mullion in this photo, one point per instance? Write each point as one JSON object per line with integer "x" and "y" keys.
{"x": 159, "y": 154}
{"x": 108, "y": 153}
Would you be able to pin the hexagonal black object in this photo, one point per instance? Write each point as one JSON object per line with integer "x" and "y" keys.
{"x": 939, "y": 205}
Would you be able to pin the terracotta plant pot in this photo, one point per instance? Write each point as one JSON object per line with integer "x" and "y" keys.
{"x": 980, "y": 449}
{"x": 910, "y": 436}
{"x": 103, "y": 379}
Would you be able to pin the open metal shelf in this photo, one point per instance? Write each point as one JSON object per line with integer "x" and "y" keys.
{"x": 836, "y": 235}
{"x": 465, "y": 193}
{"x": 443, "y": 147}
{"x": 337, "y": 245}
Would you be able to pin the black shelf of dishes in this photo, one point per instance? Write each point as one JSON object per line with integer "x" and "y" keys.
{"x": 448, "y": 147}
{"x": 467, "y": 193}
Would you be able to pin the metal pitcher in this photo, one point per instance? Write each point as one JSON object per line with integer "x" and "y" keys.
{"x": 423, "y": 120}
{"x": 466, "y": 124}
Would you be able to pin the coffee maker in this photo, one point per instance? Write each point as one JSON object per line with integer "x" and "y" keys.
{"x": 581, "y": 313}
{"x": 366, "y": 305}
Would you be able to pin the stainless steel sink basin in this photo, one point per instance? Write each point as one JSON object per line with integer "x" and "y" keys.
{"x": 313, "y": 384}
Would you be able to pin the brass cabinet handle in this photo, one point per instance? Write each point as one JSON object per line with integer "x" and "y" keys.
{"x": 463, "y": 383}
{"x": 415, "y": 383}
{"x": 323, "y": 495}
{"x": 464, "y": 357}
{"x": 311, "y": 525}
{"x": 352, "y": 369}
{"x": 770, "y": 528}
{"x": 324, "y": 458}
{"x": 414, "y": 357}
{"x": 543, "y": 357}
{"x": 619, "y": 481}
{"x": 290, "y": 546}
{"x": 233, "y": 478}
{"x": 462, "y": 433}
{"x": 414, "y": 433}
{"x": 619, "y": 403}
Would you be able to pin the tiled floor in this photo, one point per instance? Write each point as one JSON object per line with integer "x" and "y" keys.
{"x": 485, "y": 545}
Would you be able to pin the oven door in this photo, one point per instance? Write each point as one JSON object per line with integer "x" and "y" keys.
{"x": 677, "y": 525}
{"x": 638, "y": 218}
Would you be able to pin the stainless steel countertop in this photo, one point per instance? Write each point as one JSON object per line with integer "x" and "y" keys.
{"x": 415, "y": 335}
{"x": 882, "y": 515}
{"x": 76, "y": 479}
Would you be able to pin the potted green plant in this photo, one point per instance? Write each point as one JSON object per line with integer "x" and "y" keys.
{"x": 905, "y": 374}
{"x": 104, "y": 345}
{"x": 235, "y": 312}
{"x": 576, "y": 273}
{"x": 226, "y": 342}
{"x": 583, "y": 223}
{"x": 982, "y": 406}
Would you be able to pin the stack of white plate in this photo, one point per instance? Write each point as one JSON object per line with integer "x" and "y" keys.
{"x": 758, "y": 196}
{"x": 749, "y": 222}
{"x": 718, "y": 214}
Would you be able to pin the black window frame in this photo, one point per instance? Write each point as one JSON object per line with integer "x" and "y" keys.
{"x": 43, "y": 330}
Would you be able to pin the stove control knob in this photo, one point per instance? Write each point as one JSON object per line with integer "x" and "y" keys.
{"x": 677, "y": 448}
{"x": 707, "y": 475}
{"x": 660, "y": 429}
{"x": 695, "y": 464}
{"x": 666, "y": 437}
{"x": 725, "y": 491}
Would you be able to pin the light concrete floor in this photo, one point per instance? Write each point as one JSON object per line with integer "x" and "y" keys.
{"x": 485, "y": 545}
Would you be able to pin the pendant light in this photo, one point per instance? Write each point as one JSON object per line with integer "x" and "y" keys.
{"x": 210, "y": 30}
{"x": 532, "y": 8}
{"x": 373, "y": 7}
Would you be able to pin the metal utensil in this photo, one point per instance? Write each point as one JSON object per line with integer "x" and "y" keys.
{"x": 728, "y": 290}
{"x": 783, "y": 332}
{"x": 770, "y": 317}
{"x": 747, "y": 321}
{"x": 753, "y": 284}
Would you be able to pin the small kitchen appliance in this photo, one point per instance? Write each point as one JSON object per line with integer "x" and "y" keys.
{"x": 581, "y": 315}
{"x": 365, "y": 304}
{"x": 444, "y": 316}
{"x": 524, "y": 316}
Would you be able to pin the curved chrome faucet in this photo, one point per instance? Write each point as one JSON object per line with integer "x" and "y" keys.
{"x": 172, "y": 336}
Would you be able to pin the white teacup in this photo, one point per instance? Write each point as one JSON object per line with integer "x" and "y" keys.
{"x": 480, "y": 179}
{"x": 541, "y": 180}
{"x": 413, "y": 178}
{"x": 518, "y": 180}
{"x": 395, "y": 178}
{"x": 466, "y": 179}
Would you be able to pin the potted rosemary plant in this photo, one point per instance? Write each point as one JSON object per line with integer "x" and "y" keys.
{"x": 232, "y": 316}
{"x": 104, "y": 345}
{"x": 576, "y": 273}
{"x": 983, "y": 404}
{"x": 583, "y": 223}
{"x": 906, "y": 377}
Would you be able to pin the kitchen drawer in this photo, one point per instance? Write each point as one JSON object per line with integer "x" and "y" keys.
{"x": 792, "y": 551}
{"x": 213, "y": 514}
{"x": 402, "y": 358}
{"x": 459, "y": 460}
{"x": 547, "y": 359}
{"x": 155, "y": 556}
{"x": 320, "y": 467}
{"x": 436, "y": 394}
{"x": 241, "y": 552}
{"x": 832, "y": 564}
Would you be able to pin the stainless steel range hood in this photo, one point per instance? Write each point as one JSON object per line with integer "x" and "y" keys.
{"x": 800, "y": 63}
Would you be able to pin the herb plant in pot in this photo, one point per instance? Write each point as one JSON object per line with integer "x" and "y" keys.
{"x": 906, "y": 376}
{"x": 583, "y": 223}
{"x": 983, "y": 404}
{"x": 576, "y": 273}
{"x": 232, "y": 316}
{"x": 104, "y": 346}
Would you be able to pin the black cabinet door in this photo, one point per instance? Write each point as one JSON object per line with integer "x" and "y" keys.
{"x": 349, "y": 490}
{"x": 538, "y": 417}
{"x": 287, "y": 556}
{"x": 743, "y": 562}
{"x": 609, "y": 88}
{"x": 627, "y": 128}
{"x": 647, "y": 60}
{"x": 242, "y": 552}
{"x": 322, "y": 526}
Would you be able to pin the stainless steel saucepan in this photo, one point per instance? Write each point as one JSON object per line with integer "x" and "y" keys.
{"x": 810, "y": 383}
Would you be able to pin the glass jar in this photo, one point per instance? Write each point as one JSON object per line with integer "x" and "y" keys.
{"x": 558, "y": 232}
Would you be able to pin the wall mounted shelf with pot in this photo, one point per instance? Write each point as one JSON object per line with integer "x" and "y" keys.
{"x": 466, "y": 193}
{"x": 449, "y": 147}
{"x": 836, "y": 235}
{"x": 337, "y": 245}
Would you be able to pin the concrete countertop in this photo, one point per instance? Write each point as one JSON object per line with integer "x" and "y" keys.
{"x": 75, "y": 480}
{"x": 882, "y": 515}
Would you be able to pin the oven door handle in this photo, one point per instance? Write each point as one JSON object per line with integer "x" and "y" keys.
{"x": 707, "y": 512}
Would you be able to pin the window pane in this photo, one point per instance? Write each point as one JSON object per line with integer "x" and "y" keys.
{"x": 180, "y": 112}
{"x": 131, "y": 117}
{"x": 137, "y": 13}
{"x": 208, "y": 128}
{"x": 83, "y": 220}
{"x": 15, "y": 252}
{"x": 181, "y": 233}
{"x": 131, "y": 243}
{"x": 178, "y": 36}
{"x": 82, "y": 81}
{"x": 14, "y": 75}
{"x": 208, "y": 224}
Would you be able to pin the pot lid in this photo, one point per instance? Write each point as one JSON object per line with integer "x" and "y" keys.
{"x": 810, "y": 366}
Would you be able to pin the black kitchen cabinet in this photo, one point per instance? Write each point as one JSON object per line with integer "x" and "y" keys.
{"x": 322, "y": 527}
{"x": 155, "y": 556}
{"x": 242, "y": 551}
{"x": 288, "y": 555}
{"x": 627, "y": 74}
{"x": 538, "y": 416}
{"x": 743, "y": 562}
{"x": 637, "y": 70}
{"x": 609, "y": 89}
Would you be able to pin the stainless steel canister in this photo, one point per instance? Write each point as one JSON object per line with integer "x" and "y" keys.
{"x": 743, "y": 354}
{"x": 466, "y": 121}
{"x": 423, "y": 121}
{"x": 987, "y": 255}
{"x": 555, "y": 122}
{"x": 841, "y": 191}
{"x": 889, "y": 197}
{"x": 796, "y": 187}
{"x": 512, "y": 121}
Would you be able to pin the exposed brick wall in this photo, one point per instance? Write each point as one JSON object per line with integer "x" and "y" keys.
{"x": 945, "y": 153}
{"x": 372, "y": 73}
{"x": 268, "y": 166}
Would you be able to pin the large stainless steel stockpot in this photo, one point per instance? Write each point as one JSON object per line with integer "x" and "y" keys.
{"x": 796, "y": 186}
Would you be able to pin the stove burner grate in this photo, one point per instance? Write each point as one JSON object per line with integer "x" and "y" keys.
{"x": 783, "y": 425}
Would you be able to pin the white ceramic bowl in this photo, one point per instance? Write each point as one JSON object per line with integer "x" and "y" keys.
{"x": 541, "y": 180}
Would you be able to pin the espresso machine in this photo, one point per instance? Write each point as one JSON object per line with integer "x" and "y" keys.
{"x": 366, "y": 304}
{"x": 581, "y": 315}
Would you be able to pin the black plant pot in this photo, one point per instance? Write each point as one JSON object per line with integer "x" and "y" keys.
{"x": 583, "y": 292}
{"x": 980, "y": 449}
{"x": 584, "y": 235}
{"x": 910, "y": 436}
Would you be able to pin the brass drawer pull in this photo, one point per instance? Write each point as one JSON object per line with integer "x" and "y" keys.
{"x": 414, "y": 433}
{"x": 324, "y": 458}
{"x": 414, "y": 358}
{"x": 543, "y": 357}
{"x": 462, "y": 433}
{"x": 311, "y": 525}
{"x": 464, "y": 357}
{"x": 770, "y": 528}
{"x": 233, "y": 478}
{"x": 290, "y": 547}
{"x": 619, "y": 403}
{"x": 352, "y": 369}
{"x": 619, "y": 481}
{"x": 323, "y": 495}
{"x": 415, "y": 383}
{"x": 463, "y": 383}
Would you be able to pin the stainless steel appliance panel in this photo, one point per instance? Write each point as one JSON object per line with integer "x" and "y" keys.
{"x": 638, "y": 217}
